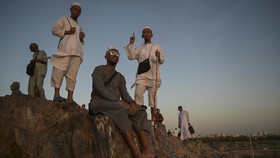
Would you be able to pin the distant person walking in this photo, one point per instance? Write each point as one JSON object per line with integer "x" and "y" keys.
{"x": 183, "y": 124}
{"x": 36, "y": 81}
{"x": 66, "y": 61}
{"x": 146, "y": 80}
{"x": 15, "y": 88}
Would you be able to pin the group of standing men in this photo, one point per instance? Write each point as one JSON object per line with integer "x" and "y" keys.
{"x": 66, "y": 61}
{"x": 109, "y": 93}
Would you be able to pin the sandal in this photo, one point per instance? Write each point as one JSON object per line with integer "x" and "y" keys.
{"x": 58, "y": 99}
{"x": 73, "y": 103}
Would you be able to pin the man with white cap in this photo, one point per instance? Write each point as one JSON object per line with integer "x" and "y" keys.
{"x": 149, "y": 80}
{"x": 66, "y": 61}
{"x": 110, "y": 97}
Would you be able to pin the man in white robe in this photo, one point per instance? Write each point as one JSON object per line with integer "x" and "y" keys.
{"x": 66, "y": 61}
{"x": 146, "y": 81}
{"x": 183, "y": 124}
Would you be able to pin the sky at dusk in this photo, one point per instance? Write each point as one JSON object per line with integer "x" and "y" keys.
{"x": 222, "y": 57}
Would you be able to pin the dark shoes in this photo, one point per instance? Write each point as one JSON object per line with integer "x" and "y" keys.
{"x": 61, "y": 99}
{"x": 58, "y": 99}
{"x": 66, "y": 105}
{"x": 73, "y": 103}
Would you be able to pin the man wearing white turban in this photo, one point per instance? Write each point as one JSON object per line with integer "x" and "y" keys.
{"x": 149, "y": 80}
{"x": 66, "y": 61}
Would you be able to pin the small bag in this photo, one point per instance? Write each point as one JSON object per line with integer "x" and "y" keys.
{"x": 191, "y": 129}
{"x": 30, "y": 69}
{"x": 179, "y": 134}
{"x": 144, "y": 66}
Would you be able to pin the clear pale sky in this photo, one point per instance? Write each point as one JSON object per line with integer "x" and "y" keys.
{"x": 222, "y": 56}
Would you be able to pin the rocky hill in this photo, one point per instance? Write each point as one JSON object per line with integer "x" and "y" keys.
{"x": 35, "y": 128}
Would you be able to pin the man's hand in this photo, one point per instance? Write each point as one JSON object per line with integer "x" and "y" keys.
{"x": 82, "y": 36}
{"x": 71, "y": 31}
{"x": 157, "y": 53}
{"x": 134, "y": 107}
{"x": 132, "y": 39}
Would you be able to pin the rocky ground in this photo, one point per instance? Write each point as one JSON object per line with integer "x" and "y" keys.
{"x": 35, "y": 128}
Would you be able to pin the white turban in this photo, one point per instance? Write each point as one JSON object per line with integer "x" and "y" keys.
{"x": 75, "y": 3}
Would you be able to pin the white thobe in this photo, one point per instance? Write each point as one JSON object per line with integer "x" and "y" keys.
{"x": 183, "y": 124}
{"x": 141, "y": 53}
{"x": 70, "y": 45}
{"x": 146, "y": 80}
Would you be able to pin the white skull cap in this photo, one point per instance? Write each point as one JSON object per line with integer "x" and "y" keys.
{"x": 147, "y": 27}
{"x": 76, "y": 3}
{"x": 112, "y": 48}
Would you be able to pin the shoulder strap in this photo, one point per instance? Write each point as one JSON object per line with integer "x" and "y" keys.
{"x": 150, "y": 50}
{"x": 36, "y": 55}
{"x": 62, "y": 37}
{"x": 111, "y": 78}
{"x": 69, "y": 22}
{"x": 106, "y": 83}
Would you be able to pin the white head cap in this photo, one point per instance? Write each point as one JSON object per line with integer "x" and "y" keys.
{"x": 147, "y": 27}
{"x": 76, "y": 3}
{"x": 112, "y": 48}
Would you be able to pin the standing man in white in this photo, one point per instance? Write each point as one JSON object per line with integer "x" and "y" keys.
{"x": 183, "y": 124}
{"x": 66, "y": 61}
{"x": 146, "y": 80}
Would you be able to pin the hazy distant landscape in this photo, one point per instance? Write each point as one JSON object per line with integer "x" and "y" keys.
{"x": 260, "y": 147}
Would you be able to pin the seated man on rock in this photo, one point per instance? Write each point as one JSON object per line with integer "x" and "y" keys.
{"x": 110, "y": 97}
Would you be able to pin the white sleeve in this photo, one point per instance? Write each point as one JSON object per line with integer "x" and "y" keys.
{"x": 131, "y": 52}
{"x": 58, "y": 27}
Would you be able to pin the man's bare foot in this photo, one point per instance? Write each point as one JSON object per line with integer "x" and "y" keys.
{"x": 139, "y": 156}
{"x": 149, "y": 154}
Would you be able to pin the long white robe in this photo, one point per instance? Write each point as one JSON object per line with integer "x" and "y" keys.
{"x": 141, "y": 53}
{"x": 146, "y": 80}
{"x": 70, "y": 45}
{"x": 183, "y": 124}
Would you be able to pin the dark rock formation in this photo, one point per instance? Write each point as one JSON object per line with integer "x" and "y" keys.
{"x": 35, "y": 128}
